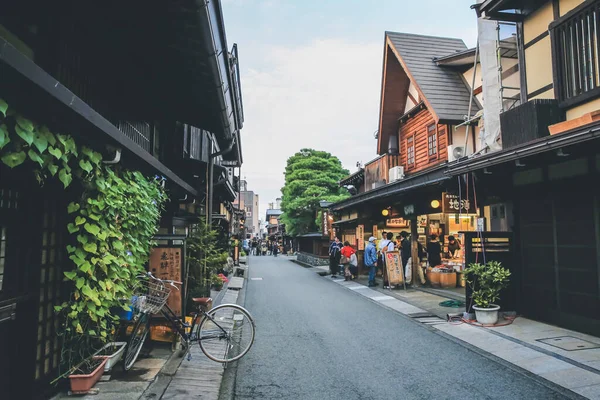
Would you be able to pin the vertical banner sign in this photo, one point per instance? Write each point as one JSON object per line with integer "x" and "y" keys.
{"x": 325, "y": 223}
{"x": 393, "y": 265}
{"x": 375, "y": 232}
{"x": 166, "y": 263}
{"x": 360, "y": 237}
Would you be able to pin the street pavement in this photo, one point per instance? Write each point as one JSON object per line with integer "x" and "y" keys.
{"x": 318, "y": 340}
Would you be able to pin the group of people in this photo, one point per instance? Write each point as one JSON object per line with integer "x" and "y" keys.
{"x": 374, "y": 255}
{"x": 264, "y": 247}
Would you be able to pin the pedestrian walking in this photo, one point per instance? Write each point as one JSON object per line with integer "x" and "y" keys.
{"x": 263, "y": 248}
{"x": 334, "y": 256}
{"x": 370, "y": 261}
{"x": 347, "y": 253}
{"x": 275, "y": 249}
{"x": 386, "y": 245}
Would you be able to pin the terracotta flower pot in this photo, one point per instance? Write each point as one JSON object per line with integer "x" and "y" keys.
{"x": 82, "y": 383}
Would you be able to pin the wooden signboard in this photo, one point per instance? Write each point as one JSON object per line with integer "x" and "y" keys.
{"x": 393, "y": 266}
{"x": 166, "y": 263}
{"x": 360, "y": 237}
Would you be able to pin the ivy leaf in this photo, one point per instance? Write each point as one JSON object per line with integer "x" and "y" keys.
{"x": 4, "y": 138}
{"x": 85, "y": 267}
{"x": 70, "y": 249}
{"x": 70, "y": 274}
{"x": 90, "y": 248}
{"x": 53, "y": 169}
{"x": 76, "y": 259}
{"x": 102, "y": 236}
{"x": 14, "y": 159}
{"x": 79, "y": 283}
{"x": 100, "y": 182}
{"x": 82, "y": 239}
{"x": 24, "y": 124}
{"x": 72, "y": 228}
{"x": 56, "y": 152}
{"x": 65, "y": 177}
{"x": 49, "y": 136}
{"x": 95, "y": 217}
{"x": 86, "y": 166}
{"x": 79, "y": 220}
{"x": 92, "y": 332}
{"x": 118, "y": 245}
{"x": 25, "y": 135}
{"x": 78, "y": 328}
{"x": 3, "y": 107}
{"x": 103, "y": 334}
{"x": 33, "y": 156}
{"x": 40, "y": 141}
{"x": 73, "y": 207}
{"x": 92, "y": 228}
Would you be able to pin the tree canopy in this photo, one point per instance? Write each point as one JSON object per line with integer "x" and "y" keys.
{"x": 310, "y": 176}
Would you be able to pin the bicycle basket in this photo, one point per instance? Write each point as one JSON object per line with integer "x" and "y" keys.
{"x": 150, "y": 296}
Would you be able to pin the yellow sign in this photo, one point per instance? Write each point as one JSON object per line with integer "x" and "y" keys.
{"x": 393, "y": 266}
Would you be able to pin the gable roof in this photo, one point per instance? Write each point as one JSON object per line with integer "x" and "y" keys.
{"x": 444, "y": 89}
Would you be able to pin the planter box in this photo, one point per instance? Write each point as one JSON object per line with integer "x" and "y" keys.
{"x": 83, "y": 383}
{"x": 115, "y": 357}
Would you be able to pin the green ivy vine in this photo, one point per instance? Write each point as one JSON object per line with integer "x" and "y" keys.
{"x": 112, "y": 222}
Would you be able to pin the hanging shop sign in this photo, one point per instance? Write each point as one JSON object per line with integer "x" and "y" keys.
{"x": 453, "y": 204}
{"x": 409, "y": 210}
{"x": 375, "y": 231}
{"x": 397, "y": 223}
{"x": 166, "y": 263}
{"x": 360, "y": 237}
{"x": 325, "y": 223}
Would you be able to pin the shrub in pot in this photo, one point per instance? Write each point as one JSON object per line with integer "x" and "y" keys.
{"x": 486, "y": 281}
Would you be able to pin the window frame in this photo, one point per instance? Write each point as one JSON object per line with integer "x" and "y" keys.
{"x": 410, "y": 150}
{"x": 433, "y": 150}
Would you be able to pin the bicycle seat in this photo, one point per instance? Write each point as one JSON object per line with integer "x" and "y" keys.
{"x": 203, "y": 301}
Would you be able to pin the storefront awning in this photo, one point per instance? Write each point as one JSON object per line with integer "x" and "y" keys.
{"x": 346, "y": 221}
{"x": 556, "y": 142}
{"x": 426, "y": 178}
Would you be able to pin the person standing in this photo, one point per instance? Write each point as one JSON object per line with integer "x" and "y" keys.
{"x": 348, "y": 252}
{"x": 405, "y": 254}
{"x": 370, "y": 261}
{"x": 334, "y": 256}
{"x": 389, "y": 245}
{"x": 434, "y": 251}
{"x": 275, "y": 249}
{"x": 453, "y": 246}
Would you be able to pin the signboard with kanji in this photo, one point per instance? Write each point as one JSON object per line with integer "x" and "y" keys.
{"x": 325, "y": 223}
{"x": 360, "y": 237}
{"x": 397, "y": 223}
{"x": 393, "y": 266}
{"x": 167, "y": 263}
{"x": 453, "y": 204}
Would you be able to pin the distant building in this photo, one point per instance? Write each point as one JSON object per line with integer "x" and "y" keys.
{"x": 273, "y": 220}
{"x": 248, "y": 202}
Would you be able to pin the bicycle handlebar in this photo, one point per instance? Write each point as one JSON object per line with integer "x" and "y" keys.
{"x": 169, "y": 281}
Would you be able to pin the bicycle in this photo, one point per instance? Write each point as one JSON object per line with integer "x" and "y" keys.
{"x": 225, "y": 333}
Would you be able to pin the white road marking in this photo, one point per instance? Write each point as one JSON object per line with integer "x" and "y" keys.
{"x": 256, "y": 279}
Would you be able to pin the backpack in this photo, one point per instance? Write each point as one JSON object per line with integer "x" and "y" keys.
{"x": 353, "y": 260}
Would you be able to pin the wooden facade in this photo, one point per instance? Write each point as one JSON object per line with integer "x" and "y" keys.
{"x": 377, "y": 171}
{"x": 422, "y": 142}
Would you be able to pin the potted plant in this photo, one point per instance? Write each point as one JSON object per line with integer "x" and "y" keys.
{"x": 486, "y": 281}
{"x": 84, "y": 376}
{"x": 216, "y": 282}
{"x": 243, "y": 258}
{"x": 113, "y": 352}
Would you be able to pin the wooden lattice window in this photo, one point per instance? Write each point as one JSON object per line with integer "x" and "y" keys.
{"x": 410, "y": 151}
{"x": 432, "y": 142}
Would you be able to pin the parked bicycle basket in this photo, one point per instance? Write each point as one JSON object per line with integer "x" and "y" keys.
{"x": 150, "y": 296}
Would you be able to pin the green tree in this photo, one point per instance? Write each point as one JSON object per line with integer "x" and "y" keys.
{"x": 310, "y": 176}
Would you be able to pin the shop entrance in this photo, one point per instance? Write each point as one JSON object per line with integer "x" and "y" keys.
{"x": 559, "y": 235}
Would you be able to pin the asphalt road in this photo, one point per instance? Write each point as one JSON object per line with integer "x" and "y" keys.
{"x": 318, "y": 340}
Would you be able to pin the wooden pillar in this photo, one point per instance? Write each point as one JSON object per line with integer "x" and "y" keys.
{"x": 414, "y": 251}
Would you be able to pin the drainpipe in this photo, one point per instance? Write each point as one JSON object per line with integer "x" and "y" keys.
{"x": 210, "y": 183}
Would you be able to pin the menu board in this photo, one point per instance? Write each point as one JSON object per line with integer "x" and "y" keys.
{"x": 393, "y": 265}
{"x": 166, "y": 263}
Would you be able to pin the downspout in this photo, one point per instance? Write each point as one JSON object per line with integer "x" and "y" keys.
{"x": 210, "y": 182}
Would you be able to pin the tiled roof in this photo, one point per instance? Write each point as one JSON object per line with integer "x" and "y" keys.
{"x": 443, "y": 88}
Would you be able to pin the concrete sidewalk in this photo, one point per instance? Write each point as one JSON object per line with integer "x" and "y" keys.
{"x": 564, "y": 359}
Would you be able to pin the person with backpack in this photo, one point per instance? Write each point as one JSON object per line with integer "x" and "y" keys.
{"x": 370, "y": 261}
{"x": 334, "y": 256}
{"x": 350, "y": 255}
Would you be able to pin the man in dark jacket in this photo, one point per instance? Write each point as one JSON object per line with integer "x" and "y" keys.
{"x": 334, "y": 256}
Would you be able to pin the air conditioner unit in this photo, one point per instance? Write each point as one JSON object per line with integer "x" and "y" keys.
{"x": 396, "y": 173}
{"x": 455, "y": 152}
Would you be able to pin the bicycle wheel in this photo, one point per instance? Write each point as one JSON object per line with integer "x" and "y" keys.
{"x": 226, "y": 333}
{"x": 136, "y": 340}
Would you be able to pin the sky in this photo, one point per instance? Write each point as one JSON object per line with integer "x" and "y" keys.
{"x": 311, "y": 75}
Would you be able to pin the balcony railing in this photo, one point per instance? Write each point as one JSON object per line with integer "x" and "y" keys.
{"x": 575, "y": 52}
{"x": 529, "y": 121}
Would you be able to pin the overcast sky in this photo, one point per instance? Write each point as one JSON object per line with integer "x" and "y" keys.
{"x": 311, "y": 74}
